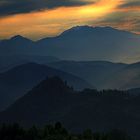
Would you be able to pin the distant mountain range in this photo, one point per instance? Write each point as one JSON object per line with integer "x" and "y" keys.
{"x": 54, "y": 79}
{"x": 16, "y": 45}
{"x": 126, "y": 78}
{"x": 79, "y": 43}
{"x": 15, "y": 82}
{"x": 10, "y": 61}
{"x": 97, "y": 72}
{"x": 52, "y": 100}
{"x": 104, "y": 74}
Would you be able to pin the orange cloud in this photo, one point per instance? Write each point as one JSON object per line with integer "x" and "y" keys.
{"x": 130, "y": 9}
{"x": 51, "y": 22}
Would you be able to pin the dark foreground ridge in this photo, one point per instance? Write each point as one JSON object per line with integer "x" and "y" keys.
{"x": 55, "y": 132}
{"x": 53, "y": 100}
{"x": 17, "y": 81}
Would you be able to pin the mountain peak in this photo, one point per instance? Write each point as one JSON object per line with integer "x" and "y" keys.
{"x": 19, "y": 38}
{"x": 52, "y": 84}
{"x": 16, "y": 37}
{"x": 77, "y": 28}
{"x": 92, "y": 30}
{"x": 81, "y": 27}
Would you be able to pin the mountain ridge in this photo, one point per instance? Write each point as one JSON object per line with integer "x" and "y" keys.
{"x": 74, "y": 28}
{"x": 81, "y": 43}
{"x": 15, "y": 82}
{"x": 52, "y": 100}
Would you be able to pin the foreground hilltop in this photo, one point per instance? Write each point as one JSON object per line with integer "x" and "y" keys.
{"x": 17, "y": 81}
{"x": 53, "y": 100}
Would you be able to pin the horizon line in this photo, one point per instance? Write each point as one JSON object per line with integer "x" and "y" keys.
{"x": 35, "y": 40}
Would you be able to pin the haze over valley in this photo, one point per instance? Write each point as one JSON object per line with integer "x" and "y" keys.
{"x": 69, "y": 70}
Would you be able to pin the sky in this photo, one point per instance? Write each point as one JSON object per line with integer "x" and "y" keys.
{"x": 37, "y": 19}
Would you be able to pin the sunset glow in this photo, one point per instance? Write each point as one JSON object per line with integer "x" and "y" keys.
{"x": 50, "y": 22}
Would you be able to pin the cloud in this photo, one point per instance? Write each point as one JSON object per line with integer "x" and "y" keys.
{"x": 129, "y": 21}
{"x": 130, "y": 4}
{"x": 9, "y": 7}
{"x": 58, "y": 15}
{"x": 125, "y": 16}
{"x": 51, "y": 22}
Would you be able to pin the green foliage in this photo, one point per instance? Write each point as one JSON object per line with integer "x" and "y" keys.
{"x": 55, "y": 132}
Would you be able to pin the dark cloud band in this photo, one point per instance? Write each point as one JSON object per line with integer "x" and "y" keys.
{"x": 9, "y": 7}
{"x": 129, "y": 4}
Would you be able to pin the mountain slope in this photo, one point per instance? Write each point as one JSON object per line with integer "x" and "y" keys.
{"x": 93, "y": 43}
{"x": 126, "y": 78}
{"x": 10, "y": 61}
{"x": 16, "y": 45}
{"x": 79, "y": 43}
{"x": 17, "y": 81}
{"x": 104, "y": 75}
{"x": 97, "y": 72}
{"x": 52, "y": 100}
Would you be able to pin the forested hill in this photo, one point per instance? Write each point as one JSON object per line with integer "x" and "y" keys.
{"x": 53, "y": 100}
{"x": 56, "y": 132}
